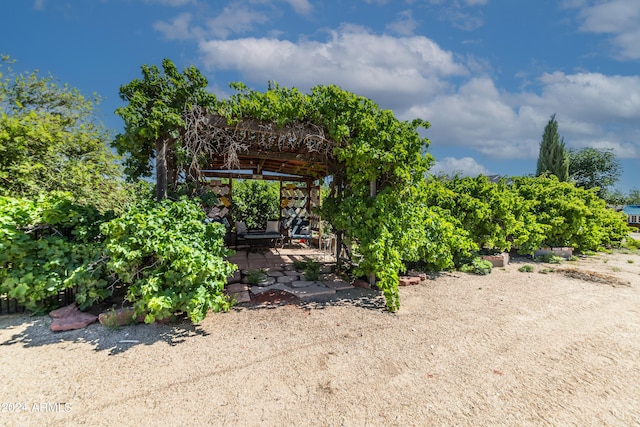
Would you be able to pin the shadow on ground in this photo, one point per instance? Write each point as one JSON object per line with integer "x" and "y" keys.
{"x": 33, "y": 331}
{"x": 368, "y": 299}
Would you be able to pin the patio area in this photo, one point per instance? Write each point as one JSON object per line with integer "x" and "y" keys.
{"x": 280, "y": 277}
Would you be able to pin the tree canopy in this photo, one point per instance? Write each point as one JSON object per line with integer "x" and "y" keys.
{"x": 553, "y": 157}
{"x": 50, "y": 139}
{"x": 154, "y": 117}
{"x": 594, "y": 168}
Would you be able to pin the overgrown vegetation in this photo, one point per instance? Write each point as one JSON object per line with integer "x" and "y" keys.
{"x": 48, "y": 246}
{"x": 170, "y": 259}
{"x": 171, "y": 262}
{"x": 526, "y": 213}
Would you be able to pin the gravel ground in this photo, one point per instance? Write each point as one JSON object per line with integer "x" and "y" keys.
{"x": 509, "y": 348}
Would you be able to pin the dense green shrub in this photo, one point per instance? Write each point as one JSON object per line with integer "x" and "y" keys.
{"x": 256, "y": 202}
{"x": 48, "y": 246}
{"x": 495, "y": 217}
{"x": 170, "y": 259}
{"x": 571, "y": 216}
{"x": 526, "y": 213}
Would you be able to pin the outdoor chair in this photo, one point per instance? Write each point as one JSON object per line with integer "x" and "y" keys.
{"x": 300, "y": 230}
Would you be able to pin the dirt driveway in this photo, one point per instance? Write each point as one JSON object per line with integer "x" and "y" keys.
{"x": 510, "y": 348}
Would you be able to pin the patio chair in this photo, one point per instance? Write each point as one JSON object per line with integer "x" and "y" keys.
{"x": 300, "y": 230}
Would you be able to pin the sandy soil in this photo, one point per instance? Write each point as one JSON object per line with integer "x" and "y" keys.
{"x": 509, "y": 348}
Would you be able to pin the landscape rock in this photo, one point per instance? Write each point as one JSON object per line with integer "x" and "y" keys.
{"x": 409, "y": 280}
{"x": 119, "y": 317}
{"x": 64, "y": 311}
{"x": 302, "y": 283}
{"x": 77, "y": 320}
{"x": 236, "y": 278}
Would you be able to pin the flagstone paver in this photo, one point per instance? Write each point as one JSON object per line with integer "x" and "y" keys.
{"x": 338, "y": 285}
{"x": 288, "y": 278}
{"x": 312, "y": 291}
{"x": 303, "y": 283}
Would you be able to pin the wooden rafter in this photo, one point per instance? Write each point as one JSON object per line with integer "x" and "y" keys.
{"x": 298, "y": 149}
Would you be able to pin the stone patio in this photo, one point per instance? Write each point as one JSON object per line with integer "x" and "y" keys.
{"x": 277, "y": 264}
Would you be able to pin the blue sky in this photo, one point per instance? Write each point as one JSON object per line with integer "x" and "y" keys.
{"x": 487, "y": 74}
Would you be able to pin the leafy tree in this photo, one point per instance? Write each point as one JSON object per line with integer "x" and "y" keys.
{"x": 594, "y": 168}
{"x": 256, "y": 202}
{"x": 153, "y": 119}
{"x": 553, "y": 157}
{"x": 634, "y": 197}
{"x": 50, "y": 139}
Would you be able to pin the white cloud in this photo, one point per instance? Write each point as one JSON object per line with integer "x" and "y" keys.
{"x": 619, "y": 18}
{"x": 404, "y": 24}
{"x": 416, "y": 78}
{"x": 593, "y": 96}
{"x": 301, "y": 7}
{"x": 480, "y": 117}
{"x": 38, "y": 5}
{"x": 177, "y": 29}
{"x": 465, "y": 166}
{"x": 394, "y": 71}
{"x": 235, "y": 20}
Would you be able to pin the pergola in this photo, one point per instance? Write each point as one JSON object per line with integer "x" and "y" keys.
{"x": 298, "y": 155}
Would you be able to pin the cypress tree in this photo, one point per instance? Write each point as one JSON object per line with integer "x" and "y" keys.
{"x": 553, "y": 157}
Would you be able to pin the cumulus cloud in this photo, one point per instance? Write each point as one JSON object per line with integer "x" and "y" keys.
{"x": 619, "y": 18}
{"x": 480, "y": 117}
{"x": 593, "y": 110}
{"x": 391, "y": 70}
{"x": 465, "y": 166}
{"x": 415, "y": 77}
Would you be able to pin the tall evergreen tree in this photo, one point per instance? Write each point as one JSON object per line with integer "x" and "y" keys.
{"x": 553, "y": 157}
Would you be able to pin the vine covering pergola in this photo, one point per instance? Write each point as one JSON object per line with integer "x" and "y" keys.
{"x": 253, "y": 149}
{"x": 376, "y": 161}
{"x": 300, "y": 150}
